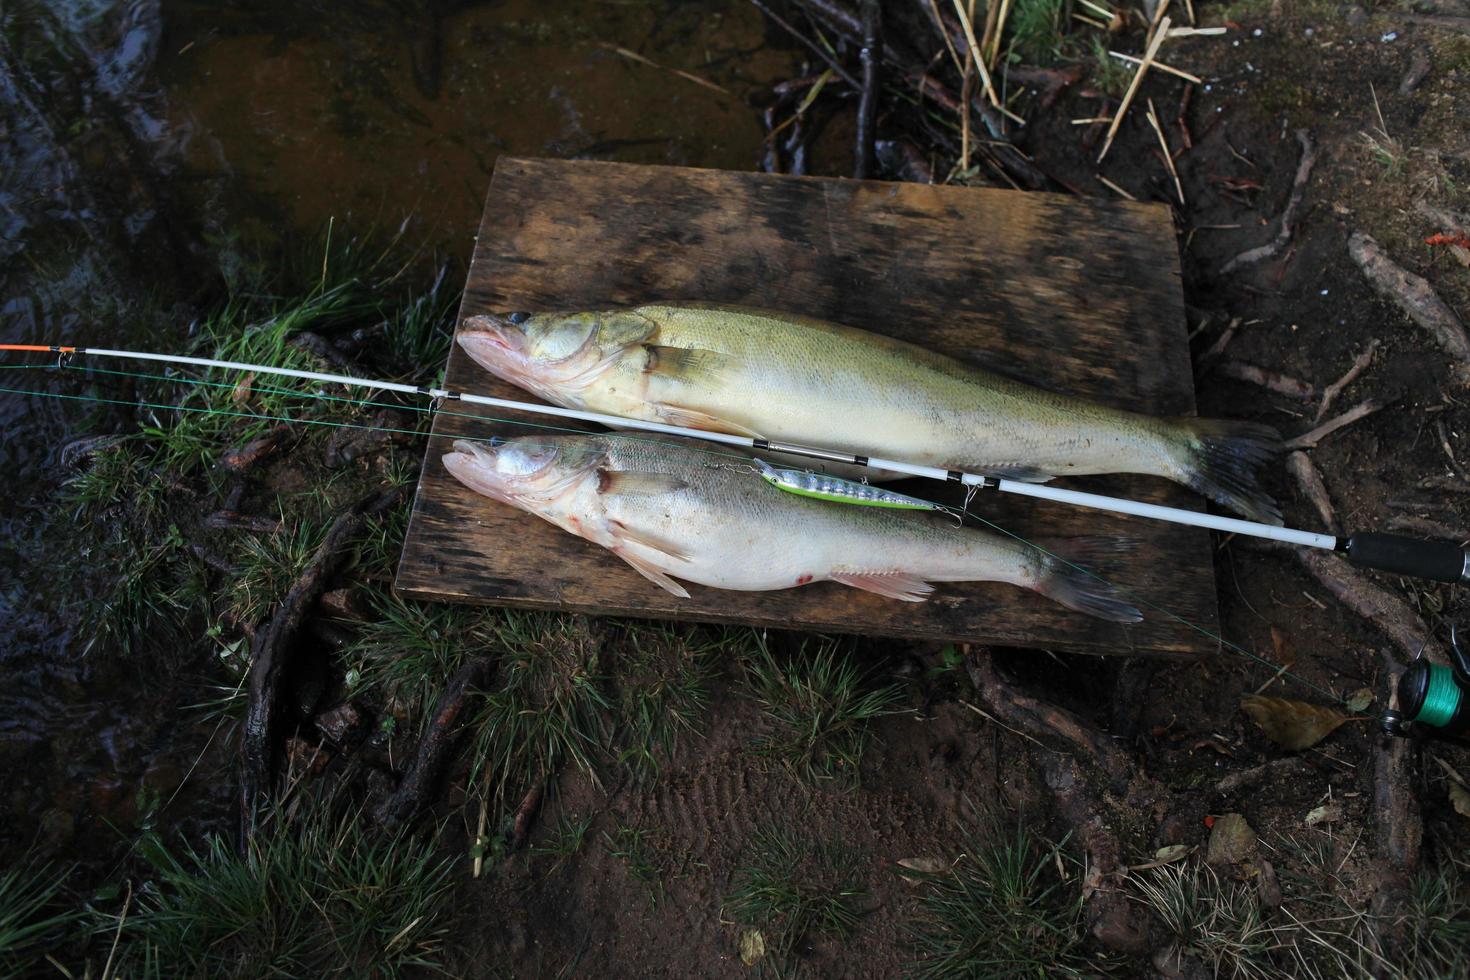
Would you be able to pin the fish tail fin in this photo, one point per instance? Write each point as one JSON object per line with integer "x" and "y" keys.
{"x": 1221, "y": 460}
{"x": 1065, "y": 577}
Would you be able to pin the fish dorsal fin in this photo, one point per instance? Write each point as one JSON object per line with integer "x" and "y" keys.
{"x": 693, "y": 418}
{"x": 630, "y": 483}
{"x": 894, "y": 585}
{"x": 652, "y": 542}
{"x": 691, "y": 365}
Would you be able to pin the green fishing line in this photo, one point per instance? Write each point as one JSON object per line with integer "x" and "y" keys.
{"x": 1439, "y": 704}
{"x": 1440, "y": 699}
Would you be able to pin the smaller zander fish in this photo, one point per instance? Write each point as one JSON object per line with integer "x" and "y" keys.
{"x": 664, "y": 509}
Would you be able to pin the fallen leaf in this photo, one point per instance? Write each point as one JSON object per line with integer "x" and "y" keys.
{"x": 752, "y": 947}
{"x": 1231, "y": 840}
{"x": 1460, "y": 799}
{"x": 923, "y": 865}
{"x": 1172, "y": 852}
{"x": 1326, "y": 813}
{"x": 1359, "y": 700}
{"x": 1293, "y": 725}
{"x": 241, "y": 395}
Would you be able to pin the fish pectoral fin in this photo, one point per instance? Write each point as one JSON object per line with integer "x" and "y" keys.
{"x": 623, "y": 533}
{"x": 629, "y": 482}
{"x": 691, "y": 365}
{"x": 691, "y": 418}
{"x": 648, "y": 571}
{"x": 894, "y": 585}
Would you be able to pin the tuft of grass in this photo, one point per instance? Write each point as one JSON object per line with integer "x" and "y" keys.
{"x": 548, "y": 705}
{"x": 268, "y": 563}
{"x": 566, "y": 839}
{"x": 31, "y": 923}
{"x": 1437, "y": 923}
{"x": 1035, "y": 31}
{"x": 1220, "y": 922}
{"x": 793, "y": 888}
{"x": 662, "y": 674}
{"x": 1000, "y": 911}
{"x": 1386, "y": 151}
{"x": 632, "y": 847}
{"x": 318, "y": 895}
{"x": 1109, "y": 75}
{"x": 819, "y": 706}
{"x": 412, "y": 648}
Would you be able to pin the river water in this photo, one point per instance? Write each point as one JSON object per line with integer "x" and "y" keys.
{"x": 151, "y": 152}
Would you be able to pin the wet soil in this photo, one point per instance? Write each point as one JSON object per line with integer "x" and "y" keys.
{"x": 242, "y": 127}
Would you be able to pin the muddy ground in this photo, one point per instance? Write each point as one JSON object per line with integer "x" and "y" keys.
{"x": 100, "y": 759}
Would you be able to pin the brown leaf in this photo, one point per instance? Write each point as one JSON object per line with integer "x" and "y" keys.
{"x": 1460, "y": 799}
{"x": 241, "y": 395}
{"x": 752, "y": 947}
{"x": 923, "y": 865}
{"x": 1293, "y": 725}
{"x": 1231, "y": 840}
{"x": 1359, "y": 700}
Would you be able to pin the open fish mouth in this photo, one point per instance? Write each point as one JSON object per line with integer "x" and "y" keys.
{"x": 492, "y": 335}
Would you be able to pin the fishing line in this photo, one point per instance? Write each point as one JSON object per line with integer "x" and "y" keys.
{"x": 1431, "y": 564}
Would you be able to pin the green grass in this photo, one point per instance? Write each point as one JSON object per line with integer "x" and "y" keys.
{"x": 565, "y": 840}
{"x": 1109, "y": 75}
{"x": 1034, "y": 31}
{"x": 662, "y": 675}
{"x": 633, "y": 847}
{"x": 1000, "y": 911}
{"x": 1220, "y": 923}
{"x": 1437, "y": 923}
{"x": 323, "y": 894}
{"x": 412, "y": 648}
{"x": 819, "y": 706}
{"x": 546, "y": 706}
{"x": 32, "y": 920}
{"x": 792, "y": 888}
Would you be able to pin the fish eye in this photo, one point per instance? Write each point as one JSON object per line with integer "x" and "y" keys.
{"x": 518, "y": 318}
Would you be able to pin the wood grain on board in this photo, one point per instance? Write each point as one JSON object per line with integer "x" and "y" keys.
{"x": 1075, "y": 294}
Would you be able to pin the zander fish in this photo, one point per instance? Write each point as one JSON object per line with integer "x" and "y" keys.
{"x": 671, "y": 511}
{"x": 790, "y": 378}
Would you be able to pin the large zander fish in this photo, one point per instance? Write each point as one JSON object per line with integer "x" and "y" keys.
{"x": 776, "y": 376}
{"x": 674, "y": 511}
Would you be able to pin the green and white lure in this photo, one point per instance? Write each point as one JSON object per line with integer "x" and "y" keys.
{"x": 805, "y": 483}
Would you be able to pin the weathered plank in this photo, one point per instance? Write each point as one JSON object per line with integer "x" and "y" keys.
{"x": 1078, "y": 295}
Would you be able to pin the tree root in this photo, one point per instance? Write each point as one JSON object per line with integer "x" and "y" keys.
{"x": 435, "y": 749}
{"x": 270, "y": 657}
{"x": 1111, "y": 917}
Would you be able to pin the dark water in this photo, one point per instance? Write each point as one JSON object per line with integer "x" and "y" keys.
{"x": 151, "y": 153}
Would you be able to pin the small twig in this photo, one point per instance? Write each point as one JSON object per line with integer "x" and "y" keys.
{"x": 1444, "y": 443}
{"x": 1412, "y": 293}
{"x": 525, "y": 813}
{"x": 1115, "y": 188}
{"x": 980, "y": 64}
{"x": 1309, "y": 440}
{"x": 687, "y": 76}
{"x": 1153, "y": 120}
{"x": 1288, "y": 214}
{"x": 1360, "y": 364}
{"x": 813, "y": 46}
{"x": 1167, "y": 69}
{"x": 997, "y": 32}
{"x": 871, "y": 57}
{"x": 1299, "y": 465}
{"x": 1218, "y": 347}
{"x": 1143, "y": 66}
{"x": 1282, "y": 384}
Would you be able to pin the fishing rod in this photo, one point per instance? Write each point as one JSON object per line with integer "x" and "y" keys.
{"x": 1438, "y": 561}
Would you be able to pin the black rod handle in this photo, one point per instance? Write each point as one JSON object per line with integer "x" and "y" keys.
{"x": 1437, "y": 560}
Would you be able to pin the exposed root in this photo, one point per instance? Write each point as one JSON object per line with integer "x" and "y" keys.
{"x": 1288, "y": 214}
{"x": 1412, "y": 293}
{"x": 1299, "y": 465}
{"x": 435, "y": 749}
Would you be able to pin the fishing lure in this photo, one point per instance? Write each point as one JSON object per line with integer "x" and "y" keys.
{"x": 805, "y": 483}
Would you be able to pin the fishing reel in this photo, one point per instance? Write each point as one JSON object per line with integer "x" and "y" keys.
{"x": 1433, "y": 700}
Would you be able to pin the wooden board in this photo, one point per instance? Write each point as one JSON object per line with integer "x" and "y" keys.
{"x": 1078, "y": 295}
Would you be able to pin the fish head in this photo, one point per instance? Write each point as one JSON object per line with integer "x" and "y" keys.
{"x": 531, "y": 472}
{"x": 557, "y": 355}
